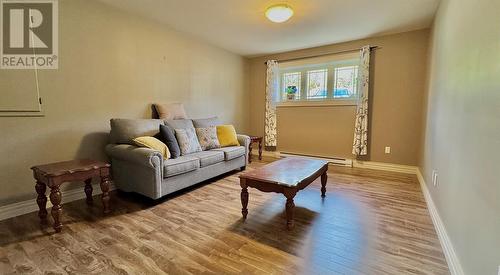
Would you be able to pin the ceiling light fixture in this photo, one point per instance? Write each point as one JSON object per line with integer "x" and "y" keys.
{"x": 279, "y": 13}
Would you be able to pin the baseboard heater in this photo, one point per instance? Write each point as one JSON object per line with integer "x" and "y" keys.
{"x": 331, "y": 160}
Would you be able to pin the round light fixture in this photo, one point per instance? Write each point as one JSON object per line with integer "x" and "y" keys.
{"x": 279, "y": 13}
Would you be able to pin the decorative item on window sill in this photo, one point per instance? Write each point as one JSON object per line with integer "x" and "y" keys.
{"x": 290, "y": 92}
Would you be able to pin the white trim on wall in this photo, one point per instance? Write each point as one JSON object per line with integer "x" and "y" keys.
{"x": 385, "y": 166}
{"x": 28, "y": 206}
{"x": 449, "y": 252}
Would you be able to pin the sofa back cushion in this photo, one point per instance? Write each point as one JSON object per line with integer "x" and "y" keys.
{"x": 206, "y": 122}
{"x": 179, "y": 123}
{"x": 123, "y": 131}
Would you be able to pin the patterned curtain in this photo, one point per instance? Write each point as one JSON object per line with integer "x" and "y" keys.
{"x": 360, "y": 144}
{"x": 272, "y": 96}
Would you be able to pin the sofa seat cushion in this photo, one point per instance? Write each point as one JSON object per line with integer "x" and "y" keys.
{"x": 208, "y": 157}
{"x": 180, "y": 165}
{"x": 231, "y": 152}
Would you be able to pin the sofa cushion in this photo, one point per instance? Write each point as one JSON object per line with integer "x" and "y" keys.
{"x": 208, "y": 157}
{"x": 206, "y": 122}
{"x": 179, "y": 123}
{"x": 231, "y": 152}
{"x": 180, "y": 165}
{"x": 123, "y": 131}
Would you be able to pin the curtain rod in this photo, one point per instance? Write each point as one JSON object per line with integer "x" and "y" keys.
{"x": 324, "y": 54}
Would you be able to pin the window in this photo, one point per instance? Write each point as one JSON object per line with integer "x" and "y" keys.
{"x": 316, "y": 84}
{"x": 291, "y": 80}
{"x": 346, "y": 80}
{"x": 334, "y": 80}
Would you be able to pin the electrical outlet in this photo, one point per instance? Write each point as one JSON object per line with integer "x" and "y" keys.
{"x": 434, "y": 178}
{"x": 387, "y": 150}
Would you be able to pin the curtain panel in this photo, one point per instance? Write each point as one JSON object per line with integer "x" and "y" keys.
{"x": 272, "y": 97}
{"x": 360, "y": 143}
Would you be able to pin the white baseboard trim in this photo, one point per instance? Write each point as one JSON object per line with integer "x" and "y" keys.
{"x": 385, "y": 166}
{"x": 448, "y": 250}
{"x": 28, "y": 206}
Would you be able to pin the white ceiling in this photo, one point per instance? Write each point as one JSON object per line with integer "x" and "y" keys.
{"x": 241, "y": 27}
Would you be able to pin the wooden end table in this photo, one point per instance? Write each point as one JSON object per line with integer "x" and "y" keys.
{"x": 54, "y": 174}
{"x": 286, "y": 176}
{"x": 252, "y": 140}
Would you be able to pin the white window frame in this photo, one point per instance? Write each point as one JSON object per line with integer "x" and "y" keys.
{"x": 329, "y": 100}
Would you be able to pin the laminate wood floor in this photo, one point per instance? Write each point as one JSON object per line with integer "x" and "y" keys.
{"x": 371, "y": 222}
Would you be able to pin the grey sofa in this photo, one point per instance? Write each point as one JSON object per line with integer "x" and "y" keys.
{"x": 144, "y": 171}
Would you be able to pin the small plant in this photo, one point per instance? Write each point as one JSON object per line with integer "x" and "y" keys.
{"x": 290, "y": 92}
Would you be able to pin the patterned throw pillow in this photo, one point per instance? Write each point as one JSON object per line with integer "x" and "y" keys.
{"x": 208, "y": 138}
{"x": 188, "y": 142}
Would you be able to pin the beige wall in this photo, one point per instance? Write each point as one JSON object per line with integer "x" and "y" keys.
{"x": 113, "y": 64}
{"x": 398, "y": 83}
{"x": 462, "y": 134}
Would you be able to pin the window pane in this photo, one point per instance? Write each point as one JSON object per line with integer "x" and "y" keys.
{"x": 346, "y": 79}
{"x": 316, "y": 83}
{"x": 291, "y": 80}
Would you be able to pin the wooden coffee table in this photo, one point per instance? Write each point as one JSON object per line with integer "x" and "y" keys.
{"x": 287, "y": 176}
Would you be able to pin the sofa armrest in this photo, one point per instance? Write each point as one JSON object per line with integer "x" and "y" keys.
{"x": 138, "y": 155}
{"x": 244, "y": 140}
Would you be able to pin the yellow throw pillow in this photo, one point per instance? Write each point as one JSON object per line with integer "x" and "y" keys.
{"x": 153, "y": 143}
{"x": 227, "y": 136}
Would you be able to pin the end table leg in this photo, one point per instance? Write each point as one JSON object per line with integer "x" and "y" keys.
{"x": 244, "y": 198}
{"x": 260, "y": 149}
{"x": 290, "y": 205}
{"x": 250, "y": 152}
{"x": 55, "y": 199}
{"x": 41, "y": 200}
{"x": 105, "y": 194}
{"x": 88, "y": 191}
{"x": 324, "y": 178}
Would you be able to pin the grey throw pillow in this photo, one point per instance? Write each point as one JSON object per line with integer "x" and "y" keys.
{"x": 167, "y": 136}
{"x": 188, "y": 142}
{"x": 208, "y": 138}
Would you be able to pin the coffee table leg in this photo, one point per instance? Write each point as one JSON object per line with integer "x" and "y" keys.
{"x": 290, "y": 205}
{"x": 55, "y": 199}
{"x": 105, "y": 194}
{"x": 41, "y": 200}
{"x": 244, "y": 198}
{"x": 88, "y": 191}
{"x": 324, "y": 178}
{"x": 250, "y": 152}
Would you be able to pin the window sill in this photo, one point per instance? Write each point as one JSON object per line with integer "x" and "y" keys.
{"x": 317, "y": 103}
